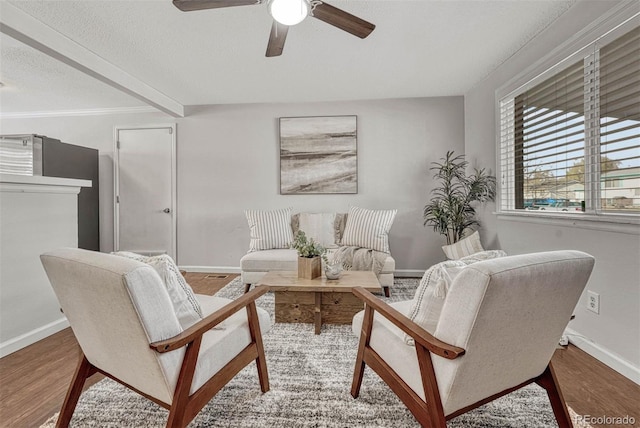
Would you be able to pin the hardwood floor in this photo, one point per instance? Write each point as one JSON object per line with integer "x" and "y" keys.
{"x": 208, "y": 283}
{"x": 592, "y": 388}
{"x": 34, "y": 380}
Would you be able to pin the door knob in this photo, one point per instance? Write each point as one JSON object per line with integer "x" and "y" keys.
{"x": 166, "y": 210}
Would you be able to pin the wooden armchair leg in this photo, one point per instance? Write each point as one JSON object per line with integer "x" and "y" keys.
{"x": 358, "y": 373}
{"x": 365, "y": 337}
{"x": 435, "y": 414}
{"x": 183, "y": 386}
{"x": 83, "y": 371}
{"x": 247, "y": 287}
{"x": 387, "y": 292}
{"x": 549, "y": 382}
{"x": 256, "y": 336}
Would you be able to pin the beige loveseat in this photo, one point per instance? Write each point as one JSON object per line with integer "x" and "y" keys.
{"x": 324, "y": 228}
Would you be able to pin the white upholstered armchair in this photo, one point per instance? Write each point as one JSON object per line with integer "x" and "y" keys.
{"x": 498, "y": 329}
{"x": 122, "y": 315}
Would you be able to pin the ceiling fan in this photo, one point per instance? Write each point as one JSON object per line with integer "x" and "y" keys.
{"x": 286, "y": 13}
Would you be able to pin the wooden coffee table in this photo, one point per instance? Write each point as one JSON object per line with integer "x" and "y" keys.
{"x": 299, "y": 300}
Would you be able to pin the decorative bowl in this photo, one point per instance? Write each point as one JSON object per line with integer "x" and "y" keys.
{"x": 333, "y": 271}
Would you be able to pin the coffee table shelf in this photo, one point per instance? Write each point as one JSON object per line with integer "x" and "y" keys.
{"x": 318, "y": 300}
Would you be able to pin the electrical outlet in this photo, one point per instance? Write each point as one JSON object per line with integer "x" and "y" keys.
{"x": 593, "y": 302}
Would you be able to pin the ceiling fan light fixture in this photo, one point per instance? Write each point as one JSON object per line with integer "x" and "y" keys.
{"x": 289, "y": 12}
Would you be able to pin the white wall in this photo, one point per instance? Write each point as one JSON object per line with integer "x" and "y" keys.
{"x": 614, "y": 335}
{"x": 228, "y": 161}
{"x": 45, "y": 210}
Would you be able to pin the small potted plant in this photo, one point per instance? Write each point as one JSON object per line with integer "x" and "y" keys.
{"x": 309, "y": 255}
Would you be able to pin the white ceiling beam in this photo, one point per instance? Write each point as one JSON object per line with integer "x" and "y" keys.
{"x": 32, "y": 32}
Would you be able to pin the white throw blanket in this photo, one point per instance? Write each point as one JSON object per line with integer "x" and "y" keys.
{"x": 434, "y": 286}
{"x": 358, "y": 258}
{"x": 442, "y": 274}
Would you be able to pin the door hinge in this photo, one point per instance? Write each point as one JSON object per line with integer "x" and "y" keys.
{"x": 117, "y": 199}
{"x": 170, "y": 131}
{"x": 118, "y": 144}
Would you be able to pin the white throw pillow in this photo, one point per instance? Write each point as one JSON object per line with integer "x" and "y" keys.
{"x": 320, "y": 227}
{"x": 185, "y": 304}
{"x": 430, "y": 294}
{"x": 465, "y": 247}
{"x": 269, "y": 229}
{"x": 368, "y": 228}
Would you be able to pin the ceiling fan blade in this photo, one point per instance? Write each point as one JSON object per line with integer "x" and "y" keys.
{"x": 276, "y": 39}
{"x": 343, "y": 20}
{"x": 189, "y": 5}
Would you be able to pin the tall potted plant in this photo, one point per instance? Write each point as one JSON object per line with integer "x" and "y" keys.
{"x": 451, "y": 208}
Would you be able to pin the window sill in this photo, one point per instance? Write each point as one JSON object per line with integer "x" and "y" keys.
{"x": 619, "y": 223}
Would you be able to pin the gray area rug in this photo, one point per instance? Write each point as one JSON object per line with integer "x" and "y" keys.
{"x": 310, "y": 377}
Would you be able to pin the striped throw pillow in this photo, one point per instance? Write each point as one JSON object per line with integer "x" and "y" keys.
{"x": 269, "y": 229}
{"x": 466, "y": 247}
{"x": 368, "y": 228}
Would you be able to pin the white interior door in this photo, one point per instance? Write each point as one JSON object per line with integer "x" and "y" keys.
{"x": 145, "y": 190}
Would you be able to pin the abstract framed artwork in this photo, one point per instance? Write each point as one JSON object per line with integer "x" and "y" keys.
{"x": 318, "y": 155}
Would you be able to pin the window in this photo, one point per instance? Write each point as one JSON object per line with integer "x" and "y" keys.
{"x": 573, "y": 138}
{"x": 609, "y": 184}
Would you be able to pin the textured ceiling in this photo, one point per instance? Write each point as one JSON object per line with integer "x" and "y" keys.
{"x": 35, "y": 82}
{"x": 419, "y": 48}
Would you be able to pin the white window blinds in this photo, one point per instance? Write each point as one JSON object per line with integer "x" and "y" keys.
{"x": 563, "y": 138}
{"x": 549, "y": 138}
{"x": 620, "y": 122}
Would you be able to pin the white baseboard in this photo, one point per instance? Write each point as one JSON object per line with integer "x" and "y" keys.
{"x": 605, "y": 356}
{"x": 408, "y": 273}
{"x": 12, "y": 345}
{"x": 211, "y": 269}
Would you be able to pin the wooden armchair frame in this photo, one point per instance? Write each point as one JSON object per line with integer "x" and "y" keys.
{"x": 185, "y": 407}
{"x": 430, "y": 413}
